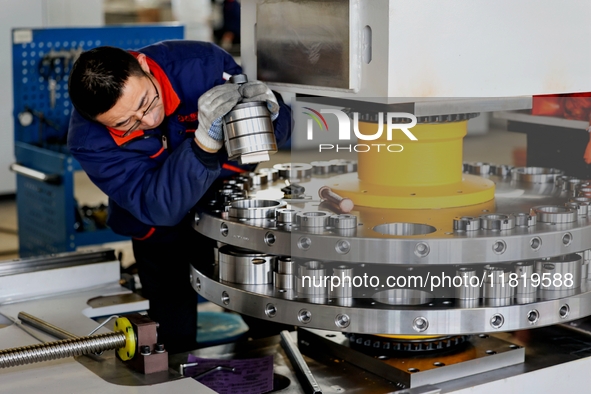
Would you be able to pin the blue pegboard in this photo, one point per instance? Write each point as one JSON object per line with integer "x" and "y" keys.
{"x": 31, "y": 89}
{"x": 46, "y": 210}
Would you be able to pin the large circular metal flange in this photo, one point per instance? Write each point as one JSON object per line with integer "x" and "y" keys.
{"x": 439, "y": 317}
{"x": 402, "y": 243}
{"x": 410, "y": 236}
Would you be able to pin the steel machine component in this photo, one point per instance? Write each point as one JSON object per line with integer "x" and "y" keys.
{"x": 134, "y": 338}
{"x": 248, "y": 130}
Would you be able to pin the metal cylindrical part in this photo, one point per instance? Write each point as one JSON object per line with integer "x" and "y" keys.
{"x": 562, "y": 181}
{"x": 535, "y": 174}
{"x": 341, "y": 289}
{"x": 285, "y": 272}
{"x": 343, "y": 221}
{"x": 44, "y": 326}
{"x": 286, "y": 265}
{"x": 311, "y": 283}
{"x": 584, "y": 192}
{"x": 340, "y": 166}
{"x": 524, "y": 271}
{"x": 586, "y": 255}
{"x": 469, "y": 289}
{"x": 320, "y": 167}
{"x": 258, "y": 178}
{"x": 272, "y": 174}
{"x": 480, "y": 168}
{"x": 294, "y": 170}
{"x": 496, "y": 288}
{"x": 554, "y": 214}
{"x": 248, "y": 129}
{"x": 466, "y": 223}
{"x": 312, "y": 219}
{"x": 344, "y": 204}
{"x": 524, "y": 219}
{"x": 61, "y": 349}
{"x": 283, "y": 281}
{"x": 254, "y": 209}
{"x": 561, "y": 273}
{"x": 244, "y": 266}
{"x": 501, "y": 170}
{"x": 582, "y": 209}
{"x": 286, "y": 215}
{"x": 497, "y": 222}
{"x": 573, "y": 184}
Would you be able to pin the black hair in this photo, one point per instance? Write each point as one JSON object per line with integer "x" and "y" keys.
{"x": 97, "y": 79}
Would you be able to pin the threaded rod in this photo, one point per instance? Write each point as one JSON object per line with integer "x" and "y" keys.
{"x": 61, "y": 349}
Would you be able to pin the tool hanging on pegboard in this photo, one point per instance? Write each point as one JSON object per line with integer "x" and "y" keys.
{"x": 53, "y": 67}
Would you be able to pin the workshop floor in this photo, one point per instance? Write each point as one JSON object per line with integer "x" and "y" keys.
{"x": 496, "y": 146}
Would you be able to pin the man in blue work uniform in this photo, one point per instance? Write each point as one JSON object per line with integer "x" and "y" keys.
{"x": 147, "y": 130}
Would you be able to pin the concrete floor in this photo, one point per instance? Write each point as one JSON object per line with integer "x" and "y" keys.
{"x": 495, "y": 146}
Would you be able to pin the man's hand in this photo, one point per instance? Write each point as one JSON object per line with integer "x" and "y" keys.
{"x": 213, "y": 105}
{"x": 258, "y": 91}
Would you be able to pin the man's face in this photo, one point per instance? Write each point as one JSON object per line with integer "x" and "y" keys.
{"x": 140, "y": 106}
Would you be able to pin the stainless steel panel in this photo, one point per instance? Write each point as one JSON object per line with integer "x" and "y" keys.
{"x": 304, "y": 42}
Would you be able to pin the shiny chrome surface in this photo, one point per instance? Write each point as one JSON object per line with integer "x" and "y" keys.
{"x": 245, "y": 267}
{"x": 397, "y": 315}
{"x": 61, "y": 349}
{"x": 495, "y": 255}
{"x": 248, "y": 131}
{"x": 304, "y": 43}
{"x": 526, "y": 241}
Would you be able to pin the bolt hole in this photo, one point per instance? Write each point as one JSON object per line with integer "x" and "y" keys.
{"x": 383, "y": 358}
{"x": 198, "y": 284}
{"x": 535, "y": 243}
{"x": 270, "y": 310}
{"x": 224, "y": 229}
{"x": 225, "y": 298}
{"x": 304, "y": 316}
{"x": 491, "y": 352}
{"x": 343, "y": 246}
{"x": 342, "y": 321}
{"x": 270, "y": 238}
{"x": 497, "y": 321}
{"x": 567, "y": 239}
{"x": 533, "y": 316}
{"x": 422, "y": 249}
{"x": 513, "y": 347}
{"x": 499, "y": 247}
{"x": 330, "y": 335}
{"x": 483, "y": 336}
{"x": 439, "y": 364}
{"x": 420, "y": 324}
{"x": 413, "y": 370}
{"x": 304, "y": 243}
{"x": 564, "y": 311}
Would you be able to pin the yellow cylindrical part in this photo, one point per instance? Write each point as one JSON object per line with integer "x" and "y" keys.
{"x": 434, "y": 159}
{"x": 406, "y": 174}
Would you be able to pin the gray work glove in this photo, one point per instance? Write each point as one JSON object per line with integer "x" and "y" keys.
{"x": 213, "y": 105}
{"x": 258, "y": 91}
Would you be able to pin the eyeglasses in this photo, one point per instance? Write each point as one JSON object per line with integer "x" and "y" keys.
{"x": 139, "y": 121}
